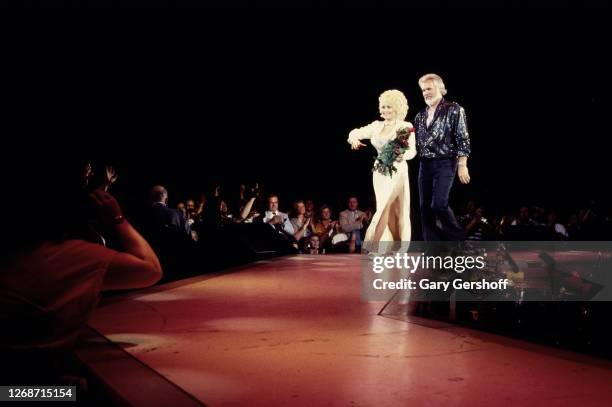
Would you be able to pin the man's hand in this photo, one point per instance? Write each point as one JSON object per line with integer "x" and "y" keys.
{"x": 276, "y": 220}
{"x": 464, "y": 175}
{"x": 366, "y": 216}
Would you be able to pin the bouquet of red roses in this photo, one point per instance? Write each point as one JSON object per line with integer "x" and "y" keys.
{"x": 391, "y": 151}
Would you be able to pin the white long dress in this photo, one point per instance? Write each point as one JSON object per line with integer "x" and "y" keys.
{"x": 391, "y": 222}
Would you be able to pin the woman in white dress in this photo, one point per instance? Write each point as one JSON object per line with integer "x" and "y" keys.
{"x": 391, "y": 222}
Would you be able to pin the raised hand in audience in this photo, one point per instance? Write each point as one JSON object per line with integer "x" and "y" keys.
{"x": 110, "y": 177}
{"x": 137, "y": 265}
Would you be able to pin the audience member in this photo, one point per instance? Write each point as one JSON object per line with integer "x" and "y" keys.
{"x": 182, "y": 209}
{"x": 51, "y": 281}
{"x": 326, "y": 228}
{"x": 556, "y": 229}
{"x": 352, "y": 223}
{"x": 302, "y": 225}
{"x": 476, "y": 225}
{"x": 170, "y": 235}
{"x": 310, "y": 210}
{"x": 164, "y": 219}
{"x": 274, "y": 217}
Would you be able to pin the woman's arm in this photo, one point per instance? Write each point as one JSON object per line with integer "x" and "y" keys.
{"x": 137, "y": 265}
{"x": 328, "y": 232}
{"x": 361, "y": 133}
{"x": 247, "y": 209}
{"x": 299, "y": 233}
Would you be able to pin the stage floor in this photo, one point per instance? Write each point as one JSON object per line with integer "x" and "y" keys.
{"x": 294, "y": 331}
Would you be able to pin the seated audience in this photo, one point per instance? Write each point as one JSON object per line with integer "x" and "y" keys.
{"x": 274, "y": 217}
{"x": 162, "y": 218}
{"x": 476, "y": 225}
{"x": 183, "y": 209}
{"x": 352, "y": 223}
{"x": 326, "y": 229}
{"x": 302, "y": 225}
{"x": 556, "y": 229}
{"x": 313, "y": 246}
{"x": 310, "y": 210}
{"x": 169, "y": 234}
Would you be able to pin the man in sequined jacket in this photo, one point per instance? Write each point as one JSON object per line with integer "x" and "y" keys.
{"x": 443, "y": 144}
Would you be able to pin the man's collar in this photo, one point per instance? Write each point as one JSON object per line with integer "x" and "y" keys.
{"x": 442, "y": 101}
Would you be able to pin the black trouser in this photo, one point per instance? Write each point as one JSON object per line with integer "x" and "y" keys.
{"x": 436, "y": 178}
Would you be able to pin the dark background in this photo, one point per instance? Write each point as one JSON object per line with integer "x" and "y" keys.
{"x": 320, "y": 4}
{"x": 278, "y": 110}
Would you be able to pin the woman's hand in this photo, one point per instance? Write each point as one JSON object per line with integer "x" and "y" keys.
{"x": 312, "y": 227}
{"x": 110, "y": 176}
{"x": 107, "y": 206}
{"x": 356, "y": 145}
{"x": 253, "y": 215}
{"x": 87, "y": 173}
{"x": 333, "y": 225}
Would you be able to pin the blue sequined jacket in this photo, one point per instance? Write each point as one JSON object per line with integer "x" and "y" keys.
{"x": 447, "y": 135}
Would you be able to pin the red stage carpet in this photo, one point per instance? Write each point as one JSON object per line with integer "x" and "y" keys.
{"x": 293, "y": 331}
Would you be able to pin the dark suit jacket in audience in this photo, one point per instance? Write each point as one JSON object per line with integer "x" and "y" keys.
{"x": 164, "y": 218}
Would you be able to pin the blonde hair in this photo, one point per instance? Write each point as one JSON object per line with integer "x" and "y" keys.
{"x": 437, "y": 80}
{"x": 397, "y": 100}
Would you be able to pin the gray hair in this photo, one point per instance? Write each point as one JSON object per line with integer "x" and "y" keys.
{"x": 437, "y": 80}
